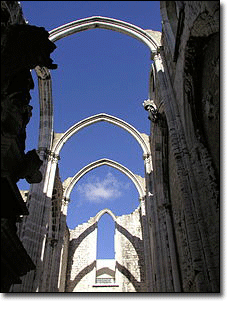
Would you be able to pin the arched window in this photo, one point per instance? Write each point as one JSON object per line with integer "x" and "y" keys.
{"x": 105, "y": 238}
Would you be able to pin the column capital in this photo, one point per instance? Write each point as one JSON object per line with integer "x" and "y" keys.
{"x": 146, "y": 156}
{"x": 155, "y": 54}
{"x": 48, "y": 154}
{"x": 53, "y": 156}
{"x": 66, "y": 200}
{"x": 142, "y": 198}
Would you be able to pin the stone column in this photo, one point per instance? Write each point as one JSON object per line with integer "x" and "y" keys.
{"x": 159, "y": 191}
{"x": 172, "y": 249}
{"x": 146, "y": 241}
{"x": 196, "y": 236}
{"x": 50, "y": 174}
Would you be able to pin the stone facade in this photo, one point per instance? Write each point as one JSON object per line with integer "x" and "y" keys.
{"x": 171, "y": 242}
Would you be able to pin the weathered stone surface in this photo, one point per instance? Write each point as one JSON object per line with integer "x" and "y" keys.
{"x": 171, "y": 242}
{"x": 129, "y": 271}
{"x": 192, "y": 114}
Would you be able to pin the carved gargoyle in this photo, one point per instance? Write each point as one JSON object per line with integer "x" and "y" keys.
{"x": 23, "y": 47}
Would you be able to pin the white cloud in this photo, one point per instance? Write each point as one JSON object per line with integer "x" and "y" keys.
{"x": 97, "y": 190}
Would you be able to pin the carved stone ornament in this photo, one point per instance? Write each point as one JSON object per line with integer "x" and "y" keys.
{"x": 150, "y": 106}
{"x": 29, "y": 168}
{"x": 209, "y": 107}
{"x": 23, "y": 47}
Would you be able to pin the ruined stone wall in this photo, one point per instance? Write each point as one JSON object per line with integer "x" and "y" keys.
{"x": 81, "y": 269}
{"x": 177, "y": 205}
{"x": 129, "y": 265}
{"x": 183, "y": 215}
{"x": 129, "y": 247}
{"x": 190, "y": 53}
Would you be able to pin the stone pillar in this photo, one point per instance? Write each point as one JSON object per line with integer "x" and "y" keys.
{"x": 172, "y": 249}
{"x": 50, "y": 174}
{"x": 195, "y": 231}
{"x": 147, "y": 246}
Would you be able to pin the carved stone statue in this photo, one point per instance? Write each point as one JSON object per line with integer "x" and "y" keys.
{"x": 23, "y": 47}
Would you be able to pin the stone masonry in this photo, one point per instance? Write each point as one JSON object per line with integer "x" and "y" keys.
{"x": 129, "y": 257}
{"x": 171, "y": 242}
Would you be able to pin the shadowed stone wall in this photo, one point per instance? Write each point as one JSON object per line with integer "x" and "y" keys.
{"x": 129, "y": 258}
{"x": 188, "y": 96}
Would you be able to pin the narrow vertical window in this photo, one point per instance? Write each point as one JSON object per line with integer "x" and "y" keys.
{"x": 105, "y": 238}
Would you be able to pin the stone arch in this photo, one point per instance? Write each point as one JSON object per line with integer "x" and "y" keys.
{"x": 134, "y": 178}
{"x": 105, "y": 234}
{"x": 148, "y": 37}
{"x": 99, "y": 118}
{"x": 142, "y": 139}
{"x": 105, "y": 23}
{"x": 105, "y": 211}
{"x": 46, "y": 135}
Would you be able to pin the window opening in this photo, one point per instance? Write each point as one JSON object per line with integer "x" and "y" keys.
{"x": 105, "y": 264}
{"x": 105, "y": 237}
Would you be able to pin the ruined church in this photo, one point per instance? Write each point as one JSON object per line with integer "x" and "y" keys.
{"x": 171, "y": 242}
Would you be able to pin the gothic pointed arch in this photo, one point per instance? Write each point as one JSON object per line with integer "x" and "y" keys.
{"x": 105, "y": 211}
{"x": 150, "y": 38}
{"x": 134, "y": 178}
{"x": 99, "y": 118}
{"x": 106, "y": 224}
{"x": 142, "y": 139}
{"x": 105, "y": 23}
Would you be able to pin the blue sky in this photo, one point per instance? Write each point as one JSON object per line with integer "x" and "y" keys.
{"x": 98, "y": 71}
